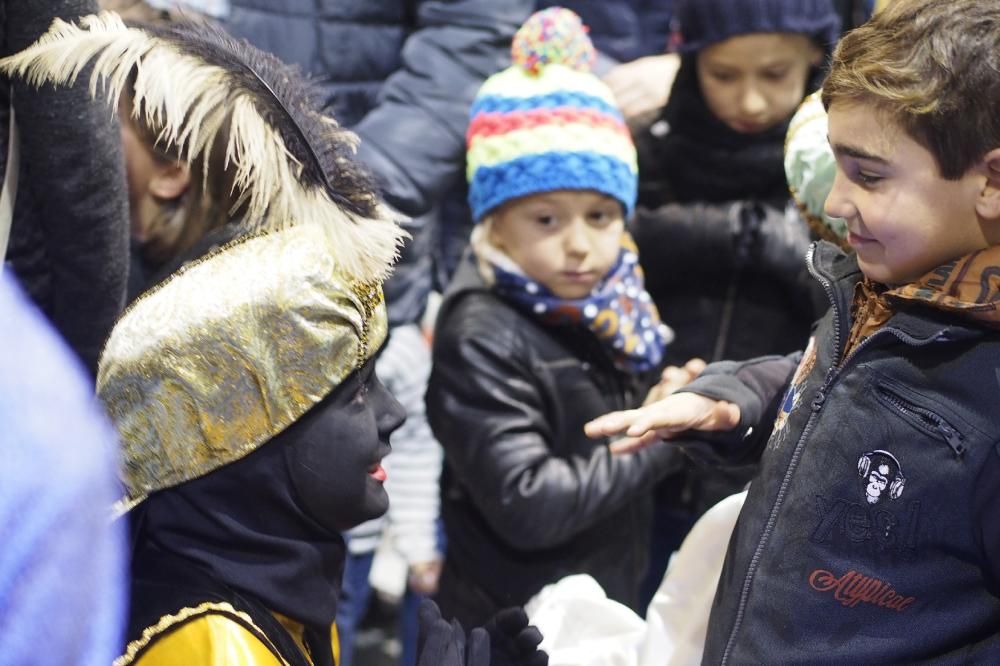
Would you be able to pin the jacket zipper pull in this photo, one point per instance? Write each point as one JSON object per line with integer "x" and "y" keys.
{"x": 817, "y": 403}
{"x": 953, "y": 438}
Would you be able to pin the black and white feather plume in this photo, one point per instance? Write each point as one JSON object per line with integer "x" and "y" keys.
{"x": 292, "y": 164}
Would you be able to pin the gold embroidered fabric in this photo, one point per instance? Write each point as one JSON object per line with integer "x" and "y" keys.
{"x": 230, "y": 351}
{"x": 208, "y": 633}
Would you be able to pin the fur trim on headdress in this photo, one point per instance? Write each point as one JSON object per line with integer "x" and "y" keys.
{"x": 292, "y": 164}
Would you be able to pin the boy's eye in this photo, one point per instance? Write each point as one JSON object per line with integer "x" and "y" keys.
{"x": 723, "y": 77}
{"x": 776, "y": 74}
{"x": 545, "y": 220}
{"x": 601, "y": 217}
{"x": 867, "y": 178}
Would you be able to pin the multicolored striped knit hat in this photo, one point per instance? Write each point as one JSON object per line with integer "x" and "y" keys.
{"x": 547, "y": 123}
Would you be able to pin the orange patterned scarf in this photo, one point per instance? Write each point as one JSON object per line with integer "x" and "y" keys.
{"x": 968, "y": 287}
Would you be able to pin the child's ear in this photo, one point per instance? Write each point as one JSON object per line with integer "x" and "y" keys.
{"x": 170, "y": 180}
{"x": 988, "y": 203}
{"x": 492, "y": 236}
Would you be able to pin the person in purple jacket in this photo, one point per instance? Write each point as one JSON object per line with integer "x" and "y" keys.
{"x": 62, "y": 565}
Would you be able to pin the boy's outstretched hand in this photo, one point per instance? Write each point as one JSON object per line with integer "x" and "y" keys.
{"x": 664, "y": 419}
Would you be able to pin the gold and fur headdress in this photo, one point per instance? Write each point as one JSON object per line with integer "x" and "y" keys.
{"x": 235, "y": 346}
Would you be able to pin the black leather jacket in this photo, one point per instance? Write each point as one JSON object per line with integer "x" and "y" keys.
{"x": 527, "y": 498}
{"x": 729, "y": 278}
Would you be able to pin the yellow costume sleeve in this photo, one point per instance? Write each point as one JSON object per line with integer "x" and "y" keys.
{"x": 210, "y": 640}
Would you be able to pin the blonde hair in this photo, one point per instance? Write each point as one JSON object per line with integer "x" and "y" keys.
{"x": 934, "y": 67}
{"x": 483, "y": 249}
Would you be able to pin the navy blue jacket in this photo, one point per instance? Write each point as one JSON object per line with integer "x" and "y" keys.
{"x": 871, "y": 532}
{"x": 402, "y": 74}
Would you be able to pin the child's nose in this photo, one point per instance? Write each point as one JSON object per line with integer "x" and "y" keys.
{"x": 577, "y": 241}
{"x": 837, "y": 203}
{"x": 752, "y": 101}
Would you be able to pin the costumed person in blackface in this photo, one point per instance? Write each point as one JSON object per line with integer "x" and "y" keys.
{"x": 546, "y": 323}
{"x": 179, "y": 212}
{"x": 242, "y": 386}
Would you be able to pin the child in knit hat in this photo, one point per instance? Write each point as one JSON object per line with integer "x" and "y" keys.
{"x": 712, "y": 180}
{"x": 546, "y": 324}
{"x": 722, "y": 247}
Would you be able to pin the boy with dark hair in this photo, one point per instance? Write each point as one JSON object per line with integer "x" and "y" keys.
{"x": 830, "y": 561}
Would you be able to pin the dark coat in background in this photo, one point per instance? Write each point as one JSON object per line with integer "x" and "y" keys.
{"x": 69, "y": 236}
{"x": 402, "y": 74}
{"x": 622, "y": 30}
{"x": 722, "y": 249}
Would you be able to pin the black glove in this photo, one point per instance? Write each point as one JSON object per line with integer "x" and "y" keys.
{"x": 512, "y": 641}
{"x": 441, "y": 643}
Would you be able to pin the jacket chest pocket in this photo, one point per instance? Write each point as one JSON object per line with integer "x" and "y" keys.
{"x": 923, "y": 415}
{"x": 895, "y": 464}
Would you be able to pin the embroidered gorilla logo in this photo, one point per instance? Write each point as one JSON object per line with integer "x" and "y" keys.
{"x": 880, "y": 470}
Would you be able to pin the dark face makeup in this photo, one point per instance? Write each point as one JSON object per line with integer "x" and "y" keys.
{"x": 334, "y": 451}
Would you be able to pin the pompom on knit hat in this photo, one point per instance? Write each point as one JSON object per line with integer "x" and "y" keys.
{"x": 707, "y": 22}
{"x": 546, "y": 123}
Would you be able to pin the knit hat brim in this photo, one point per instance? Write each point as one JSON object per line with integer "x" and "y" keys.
{"x": 547, "y": 172}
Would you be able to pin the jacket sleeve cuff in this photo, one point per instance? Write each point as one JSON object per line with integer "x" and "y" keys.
{"x": 752, "y": 386}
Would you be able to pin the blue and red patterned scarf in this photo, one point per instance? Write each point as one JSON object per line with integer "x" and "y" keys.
{"x": 619, "y": 310}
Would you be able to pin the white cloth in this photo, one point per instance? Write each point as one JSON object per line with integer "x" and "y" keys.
{"x": 677, "y": 618}
{"x": 582, "y": 627}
